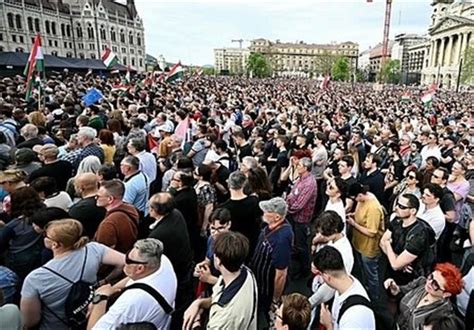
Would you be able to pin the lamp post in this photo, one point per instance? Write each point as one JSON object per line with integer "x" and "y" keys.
{"x": 458, "y": 81}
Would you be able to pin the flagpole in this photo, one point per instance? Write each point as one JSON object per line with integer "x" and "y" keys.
{"x": 39, "y": 98}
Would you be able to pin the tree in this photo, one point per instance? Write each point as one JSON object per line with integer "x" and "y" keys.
{"x": 390, "y": 72}
{"x": 361, "y": 75}
{"x": 208, "y": 71}
{"x": 467, "y": 73}
{"x": 340, "y": 69}
{"x": 258, "y": 66}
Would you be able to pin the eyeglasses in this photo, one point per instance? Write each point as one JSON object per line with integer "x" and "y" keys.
{"x": 436, "y": 176}
{"x": 130, "y": 261}
{"x": 402, "y": 207}
{"x": 45, "y": 234}
{"x": 434, "y": 283}
{"x": 412, "y": 177}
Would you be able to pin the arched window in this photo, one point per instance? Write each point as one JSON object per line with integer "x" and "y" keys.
{"x": 54, "y": 53}
{"x": 63, "y": 30}
{"x": 103, "y": 35}
{"x": 37, "y": 25}
{"x": 69, "y": 54}
{"x": 53, "y": 28}
{"x": 124, "y": 61}
{"x": 46, "y": 25}
{"x": 133, "y": 61}
{"x": 81, "y": 56}
{"x": 30, "y": 24}
{"x": 113, "y": 36}
{"x": 1, "y": 49}
{"x": 18, "y": 22}
{"x": 90, "y": 31}
{"x": 122, "y": 36}
{"x": 79, "y": 31}
{"x": 68, "y": 30}
{"x": 139, "y": 39}
{"x": 11, "y": 24}
{"x": 93, "y": 56}
{"x": 19, "y": 50}
{"x": 130, "y": 38}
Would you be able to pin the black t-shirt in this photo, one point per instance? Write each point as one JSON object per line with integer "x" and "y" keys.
{"x": 447, "y": 202}
{"x": 445, "y": 153}
{"x": 417, "y": 239}
{"x": 245, "y": 215}
{"x": 89, "y": 214}
{"x": 61, "y": 170}
{"x": 375, "y": 181}
{"x": 245, "y": 150}
{"x": 221, "y": 176}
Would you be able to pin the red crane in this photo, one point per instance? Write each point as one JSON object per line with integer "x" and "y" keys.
{"x": 386, "y": 29}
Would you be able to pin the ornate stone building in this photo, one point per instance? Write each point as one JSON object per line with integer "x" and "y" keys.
{"x": 450, "y": 32}
{"x": 74, "y": 28}
{"x": 410, "y": 50}
{"x": 301, "y": 57}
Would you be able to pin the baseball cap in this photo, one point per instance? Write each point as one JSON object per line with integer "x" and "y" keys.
{"x": 47, "y": 150}
{"x": 24, "y": 156}
{"x": 165, "y": 128}
{"x": 274, "y": 205}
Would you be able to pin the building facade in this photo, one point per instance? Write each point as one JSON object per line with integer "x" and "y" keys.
{"x": 300, "y": 57}
{"x": 450, "y": 31}
{"x": 410, "y": 50}
{"x": 231, "y": 60}
{"x": 375, "y": 59}
{"x": 74, "y": 28}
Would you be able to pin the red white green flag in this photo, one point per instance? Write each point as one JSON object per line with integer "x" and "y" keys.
{"x": 176, "y": 72}
{"x": 109, "y": 58}
{"x": 34, "y": 65}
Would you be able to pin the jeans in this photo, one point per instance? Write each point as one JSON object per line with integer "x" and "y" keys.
{"x": 371, "y": 275}
{"x": 302, "y": 260}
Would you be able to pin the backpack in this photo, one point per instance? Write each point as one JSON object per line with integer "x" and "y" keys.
{"x": 461, "y": 232}
{"x": 233, "y": 166}
{"x": 78, "y": 299}
{"x": 383, "y": 319}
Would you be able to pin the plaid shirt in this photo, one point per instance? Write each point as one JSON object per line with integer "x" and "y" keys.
{"x": 77, "y": 156}
{"x": 302, "y": 199}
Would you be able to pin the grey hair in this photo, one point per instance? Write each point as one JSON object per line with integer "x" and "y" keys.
{"x": 307, "y": 163}
{"x": 132, "y": 161}
{"x": 29, "y": 131}
{"x": 237, "y": 180}
{"x": 250, "y": 161}
{"x": 177, "y": 138}
{"x": 87, "y": 132}
{"x": 150, "y": 250}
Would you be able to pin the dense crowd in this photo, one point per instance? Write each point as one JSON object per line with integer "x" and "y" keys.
{"x": 227, "y": 203}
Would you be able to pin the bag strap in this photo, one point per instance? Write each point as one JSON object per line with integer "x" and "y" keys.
{"x": 353, "y": 301}
{"x": 154, "y": 293}
{"x": 56, "y": 273}
{"x": 83, "y": 264}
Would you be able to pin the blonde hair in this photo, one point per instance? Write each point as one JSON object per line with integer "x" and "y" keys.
{"x": 68, "y": 232}
{"x": 37, "y": 118}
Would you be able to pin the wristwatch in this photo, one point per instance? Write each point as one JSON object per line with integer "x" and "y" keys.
{"x": 98, "y": 298}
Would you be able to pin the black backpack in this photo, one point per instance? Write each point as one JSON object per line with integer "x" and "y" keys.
{"x": 78, "y": 299}
{"x": 383, "y": 319}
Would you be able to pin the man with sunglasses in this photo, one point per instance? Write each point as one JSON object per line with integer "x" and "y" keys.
{"x": 408, "y": 241}
{"x": 145, "y": 265}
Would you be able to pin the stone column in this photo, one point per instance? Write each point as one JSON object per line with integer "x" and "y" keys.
{"x": 432, "y": 53}
{"x": 449, "y": 50}
{"x": 441, "y": 53}
{"x": 464, "y": 43}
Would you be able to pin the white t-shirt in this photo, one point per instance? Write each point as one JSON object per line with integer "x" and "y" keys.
{"x": 463, "y": 298}
{"x": 61, "y": 200}
{"x": 339, "y": 208}
{"x": 435, "y": 217}
{"x": 356, "y": 317}
{"x": 136, "y": 305}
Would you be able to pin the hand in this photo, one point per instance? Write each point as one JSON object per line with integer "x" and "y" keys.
{"x": 350, "y": 220}
{"x": 205, "y": 274}
{"x": 390, "y": 284}
{"x": 106, "y": 290}
{"x": 408, "y": 269}
{"x": 325, "y": 317}
{"x": 191, "y": 315}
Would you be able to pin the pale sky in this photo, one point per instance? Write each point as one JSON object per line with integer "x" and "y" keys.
{"x": 190, "y": 30}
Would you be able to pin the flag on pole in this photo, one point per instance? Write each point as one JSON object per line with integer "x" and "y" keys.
{"x": 176, "y": 72}
{"x": 325, "y": 83}
{"x": 92, "y": 96}
{"x": 109, "y": 58}
{"x": 35, "y": 64}
{"x": 406, "y": 97}
{"x": 127, "y": 76}
{"x": 427, "y": 98}
{"x": 115, "y": 71}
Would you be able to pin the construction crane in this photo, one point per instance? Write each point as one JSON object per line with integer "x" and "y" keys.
{"x": 386, "y": 30}
{"x": 240, "y": 41}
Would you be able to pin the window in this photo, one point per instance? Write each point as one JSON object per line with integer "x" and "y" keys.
{"x": 1, "y": 49}
{"x": 50, "y": 43}
{"x": 14, "y": 38}
{"x": 139, "y": 40}
{"x": 103, "y": 35}
{"x": 141, "y": 62}
{"x": 124, "y": 61}
{"x": 70, "y": 45}
{"x": 90, "y": 32}
{"x": 81, "y": 46}
{"x": 53, "y": 28}
{"x": 133, "y": 61}
{"x": 113, "y": 36}
{"x": 130, "y": 38}
{"x": 18, "y": 22}
{"x": 54, "y": 53}
{"x": 69, "y": 54}
{"x": 68, "y": 31}
{"x": 93, "y": 56}
{"x": 124, "y": 50}
{"x": 65, "y": 44}
{"x": 1, "y": 36}
{"x": 21, "y": 39}
{"x": 132, "y": 51}
{"x": 19, "y": 50}
{"x": 11, "y": 24}
{"x": 114, "y": 48}
{"x": 91, "y": 46}
{"x": 79, "y": 31}
{"x": 63, "y": 30}
{"x": 81, "y": 56}
{"x": 32, "y": 40}
{"x": 30, "y": 24}
{"x": 122, "y": 36}
{"x": 55, "y": 43}
{"x": 46, "y": 25}
{"x": 37, "y": 25}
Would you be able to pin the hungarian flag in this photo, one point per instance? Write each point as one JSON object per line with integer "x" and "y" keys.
{"x": 325, "y": 83}
{"x": 109, "y": 58}
{"x": 176, "y": 72}
{"x": 427, "y": 98}
{"x": 199, "y": 72}
{"x": 35, "y": 64}
{"x": 406, "y": 97}
{"x": 127, "y": 76}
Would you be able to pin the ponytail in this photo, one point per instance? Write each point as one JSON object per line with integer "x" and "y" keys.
{"x": 81, "y": 242}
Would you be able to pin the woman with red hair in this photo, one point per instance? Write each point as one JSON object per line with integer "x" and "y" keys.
{"x": 425, "y": 296}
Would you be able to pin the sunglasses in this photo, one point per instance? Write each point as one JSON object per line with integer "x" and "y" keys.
{"x": 130, "y": 261}
{"x": 434, "y": 283}
{"x": 436, "y": 176}
{"x": 402, "y": 207}
{"x": 412, "y": 177}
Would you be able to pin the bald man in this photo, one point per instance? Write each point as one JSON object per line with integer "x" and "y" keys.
{"x": 86, "y": 210}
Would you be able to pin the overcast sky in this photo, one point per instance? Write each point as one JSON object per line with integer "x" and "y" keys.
{"x": 190, "y": 30}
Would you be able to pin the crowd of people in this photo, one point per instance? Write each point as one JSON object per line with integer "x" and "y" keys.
{"x": 232, "y": 203}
